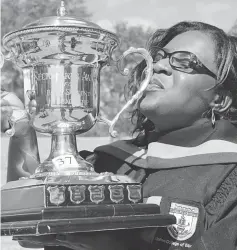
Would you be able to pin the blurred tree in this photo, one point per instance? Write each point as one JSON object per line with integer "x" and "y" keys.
{"x": 233, "y": 30}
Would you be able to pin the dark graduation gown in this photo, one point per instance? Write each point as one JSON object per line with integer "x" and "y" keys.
{"x": 192, "y": 174}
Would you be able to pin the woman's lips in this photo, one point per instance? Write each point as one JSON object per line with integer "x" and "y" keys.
{"x": 155, "y": 85}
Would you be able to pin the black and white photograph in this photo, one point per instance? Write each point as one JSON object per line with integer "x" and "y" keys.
{"x": 118, "y": 124}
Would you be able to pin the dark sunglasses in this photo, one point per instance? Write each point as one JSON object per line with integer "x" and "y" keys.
{"x": 183, "y": 61}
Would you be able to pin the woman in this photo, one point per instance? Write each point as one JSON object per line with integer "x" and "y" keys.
{"x": 186, "y": 151}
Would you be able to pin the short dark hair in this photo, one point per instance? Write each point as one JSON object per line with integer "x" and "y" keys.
{"x": 226, "y": 60}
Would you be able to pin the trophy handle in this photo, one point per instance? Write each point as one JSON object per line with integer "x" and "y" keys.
{"x": 143, "y": 86}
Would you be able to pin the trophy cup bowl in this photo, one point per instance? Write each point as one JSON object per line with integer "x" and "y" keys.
{"x": 61, "y": 58}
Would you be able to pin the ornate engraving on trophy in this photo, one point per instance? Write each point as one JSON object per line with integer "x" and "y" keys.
{"x": 134, "y": 193}
{"x": 43, "y": 43}
{"x": 77, "y": 194}
{"x": 64, "y": 86}
{"x": 73, "y": 43}
{"x": 67, "y": 76}
{"x": 61, "y": 44}
{"x": 30, "y": 46}
{"x": 116, "y": 193}
{"x": 62, "y": 58}
{"x": 56, "y": 195}
{"x": 97, "y": 193}
{"x": 42, "y": 76}
{"x": 98, "y": 46}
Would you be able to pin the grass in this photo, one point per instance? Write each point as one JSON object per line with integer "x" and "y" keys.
{"x": 87, "y": 143}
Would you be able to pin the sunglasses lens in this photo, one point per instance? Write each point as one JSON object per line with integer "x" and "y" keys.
{"x": 181, "y": 60}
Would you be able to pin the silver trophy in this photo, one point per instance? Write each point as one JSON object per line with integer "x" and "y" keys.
{"x": 61, "y": 58}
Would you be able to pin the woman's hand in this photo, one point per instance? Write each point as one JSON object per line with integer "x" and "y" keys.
{"x": 106, "y": 240}
{"x": 6, "y": 113}
{"x": 12, "y": 110}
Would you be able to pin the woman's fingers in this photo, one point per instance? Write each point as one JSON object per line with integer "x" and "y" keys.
{"x": 105, "y": 240}
{"x": 12, "y": 110}
{"x": 6, "y": 113}
{"x": 43, "y": 240}
{"x": 6, "y": 108}
{"x": 12, "y": 100}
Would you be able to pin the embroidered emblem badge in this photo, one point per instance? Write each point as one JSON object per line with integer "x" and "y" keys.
{"x": 56, "y": 194}
{"x": 134, "y": 193}
{"x": 97, "y": 193}
{"x": 116, "y": 193}
{"x": 77, "y": 194}
{"x": 187, "y": 217}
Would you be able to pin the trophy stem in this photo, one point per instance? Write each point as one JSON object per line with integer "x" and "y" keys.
{"x": 64, "y": 158}
{"x": 63, "y": 144}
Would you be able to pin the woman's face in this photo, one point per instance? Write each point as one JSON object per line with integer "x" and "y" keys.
{"x": 183, "y": 97}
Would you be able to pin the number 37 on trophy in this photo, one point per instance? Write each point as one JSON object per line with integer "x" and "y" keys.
{"x": 64, "y": 160}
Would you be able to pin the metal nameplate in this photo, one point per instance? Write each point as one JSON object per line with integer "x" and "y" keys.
{"x": 77, "y": 193}
{"x": 97, "y": 193}
{"x": 56, "y": 194}
{"x": 134, "y": 193}
{"x": 116, "y": 193}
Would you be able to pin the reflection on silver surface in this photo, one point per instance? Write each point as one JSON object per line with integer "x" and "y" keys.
{"x": 62, "y": 98}
{"x": 54, "y": 45}
{"x": 61, "y": 58}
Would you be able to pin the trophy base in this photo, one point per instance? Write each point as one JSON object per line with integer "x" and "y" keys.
{"x": 85, "y": 219}
{"x": 76, "y": 203}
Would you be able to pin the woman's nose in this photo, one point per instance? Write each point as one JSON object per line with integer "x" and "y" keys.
{"x": 162, "y": 67}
